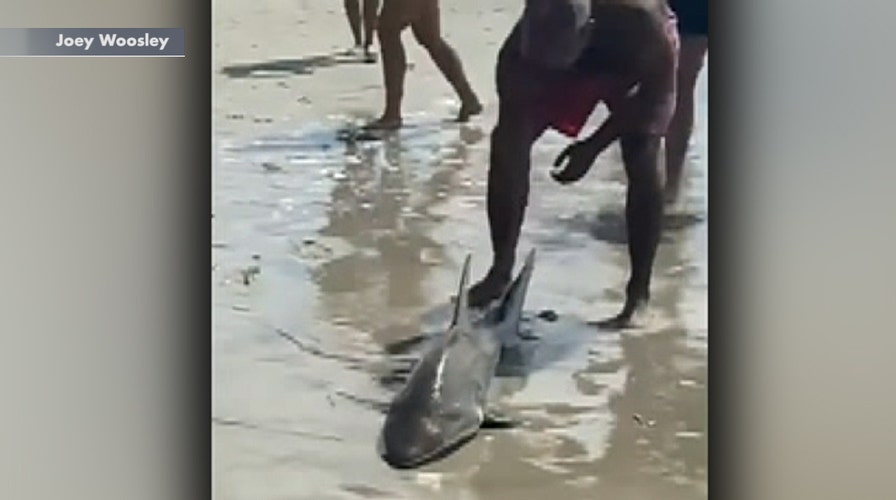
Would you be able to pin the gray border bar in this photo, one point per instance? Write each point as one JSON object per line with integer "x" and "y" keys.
{"x": 92, "y": 42}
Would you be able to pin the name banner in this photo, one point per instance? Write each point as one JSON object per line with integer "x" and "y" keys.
{"x": 92, "y": 42}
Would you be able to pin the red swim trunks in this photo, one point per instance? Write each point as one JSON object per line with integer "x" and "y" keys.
{"x": 570, "y": 107}
{"x": 569, "y": 103}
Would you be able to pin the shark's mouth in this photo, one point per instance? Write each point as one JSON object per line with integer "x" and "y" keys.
{"x": 446, "y": 449}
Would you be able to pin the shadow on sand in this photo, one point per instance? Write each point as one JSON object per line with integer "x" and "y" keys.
{"x": 283, "y": 67}
{"x": 608, "y": 225}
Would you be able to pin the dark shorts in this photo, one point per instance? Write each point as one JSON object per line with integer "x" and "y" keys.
{"x": 693, "y": 16}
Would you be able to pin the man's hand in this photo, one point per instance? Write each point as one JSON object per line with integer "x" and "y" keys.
{"x": 580, "y": 156}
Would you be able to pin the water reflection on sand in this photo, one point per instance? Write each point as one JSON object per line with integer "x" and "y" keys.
{"x": 358, "y": 244}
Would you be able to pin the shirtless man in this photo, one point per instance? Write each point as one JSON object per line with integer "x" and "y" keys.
{"x": 561, "y": 59}
{"x": 424, "y": 19}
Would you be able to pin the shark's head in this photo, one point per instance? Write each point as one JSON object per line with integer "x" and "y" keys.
{"x": 424, "y": 422}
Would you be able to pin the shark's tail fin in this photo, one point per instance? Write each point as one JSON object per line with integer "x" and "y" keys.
{"x": 461, "y": 309}
{"x": 511, "y": 306}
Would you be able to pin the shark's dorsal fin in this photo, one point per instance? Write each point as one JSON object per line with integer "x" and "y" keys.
{"x": 511, "y": 306}
{"x": 461, "y": 310}
{"x": 460, "y": 322}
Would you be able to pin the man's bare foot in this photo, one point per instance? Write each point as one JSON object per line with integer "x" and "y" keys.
{"x": 671, "y": 193}
{"x": 630, "y": 317}
{"x": 354, "y": 51}
{"x": 619, "y": 322}
{"x": 468, "y": 109}
{"x": 384, "y": 123}
{"x": 490, "y": 288}
{"x": 673, "y": 188}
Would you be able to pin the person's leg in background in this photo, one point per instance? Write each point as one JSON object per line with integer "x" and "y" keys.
{"x": 353, "y": 13}
{"x": 693, "y": 32}
{"x": 423, "y": 17}
{"x": 428, "y": 32}
{"x": 395, "y": 16}
{"x": 371, "y": 12}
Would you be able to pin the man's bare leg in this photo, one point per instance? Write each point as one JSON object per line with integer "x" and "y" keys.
{"x": 643, "y": 218}
{"x": 508, "y": 195}
{"x": 392, "y": 21}
{"x": 509, "y": 164}
{"x": 428, "y": 32}
{"x": 353, "y": 12}
{"x": 690, "y": 62}
{"x": 371, "y": 12}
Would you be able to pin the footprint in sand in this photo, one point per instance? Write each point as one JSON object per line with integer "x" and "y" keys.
{"x": 271, "y": 167}
{"x": 319, "y": 249}
{"x": 471, "y": 134}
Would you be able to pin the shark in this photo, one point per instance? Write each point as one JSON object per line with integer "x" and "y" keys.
{"x": 444, "y": 403}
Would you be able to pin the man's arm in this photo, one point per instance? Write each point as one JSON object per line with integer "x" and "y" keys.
{"x": 649, "y": 109}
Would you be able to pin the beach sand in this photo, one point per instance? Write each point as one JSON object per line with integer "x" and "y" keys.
{"x": 326, "y": 253}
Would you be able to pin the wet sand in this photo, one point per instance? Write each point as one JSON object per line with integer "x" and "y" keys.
{"x": 327, "y": 254}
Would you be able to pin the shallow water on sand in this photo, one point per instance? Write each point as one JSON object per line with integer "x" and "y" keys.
{"x": 327, "y": 253}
